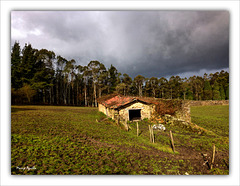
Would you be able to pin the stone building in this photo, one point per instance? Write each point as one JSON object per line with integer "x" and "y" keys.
{"x": 125, "y": 107}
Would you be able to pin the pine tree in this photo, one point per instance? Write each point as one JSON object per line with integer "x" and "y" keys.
{"x": 207, "y": 91}
{"x": 15, "y": 66}
{"x": 28, "y": 65}
{"x": 113, "y": 74}
{"x": 227, "y": 93}
{"x": 139, "y": 81}
{"x": 222, "y": 93}
{"x": 216, "y": 93}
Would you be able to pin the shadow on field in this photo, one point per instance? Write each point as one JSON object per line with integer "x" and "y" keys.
{"x": 20, "y": 109}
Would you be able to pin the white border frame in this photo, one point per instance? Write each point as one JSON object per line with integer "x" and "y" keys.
{"x": 8, "y": 6}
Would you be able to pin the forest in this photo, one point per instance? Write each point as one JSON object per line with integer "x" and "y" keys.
{"x": 41, "y": 77}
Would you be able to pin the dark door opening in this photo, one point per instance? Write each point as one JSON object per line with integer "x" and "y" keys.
{"x": 135, "y": 114}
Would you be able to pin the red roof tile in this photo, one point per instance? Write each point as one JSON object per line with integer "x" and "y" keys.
{"x": 117, "y": 101}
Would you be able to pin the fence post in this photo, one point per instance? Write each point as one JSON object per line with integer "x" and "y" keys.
{"x": 213, "y": 157}
{"x": 137, "y": 128}
{"x": 150, "y": 133}
{"x": 126, "y": 125}
{"x": 172, "y": 141}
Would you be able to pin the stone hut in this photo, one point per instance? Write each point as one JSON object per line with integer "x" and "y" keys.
{"x": 125, "y": 107}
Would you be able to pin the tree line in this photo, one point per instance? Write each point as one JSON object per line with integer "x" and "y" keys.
{"x": 41, "y": 77}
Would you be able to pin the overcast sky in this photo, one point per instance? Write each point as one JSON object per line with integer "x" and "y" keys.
{"x": 149, "y": 43}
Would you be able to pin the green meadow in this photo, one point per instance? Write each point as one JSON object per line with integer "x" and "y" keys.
{"x": 62, "y": 140}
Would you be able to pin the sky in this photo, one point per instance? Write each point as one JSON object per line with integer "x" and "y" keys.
{"x": 148, "y": 43}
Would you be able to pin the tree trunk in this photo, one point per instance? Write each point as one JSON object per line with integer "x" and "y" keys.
{"x": 171, "y": 93}
{"x": 100, "y": 92}
{"x": 95, "y": 94}
{"x": 53, "y": 95}
{"x": 50, "y": 95}
{"x": 72, "y": 94}
{"x": 69, "y": 94}
{"x": 57, "y": 93}
{"x": 44, "y": 96}
{"x": 77, "y": 94}
{"x": 140, "y": 91}
{"x": 65, "y": 93}
{"x": 85, "y": 95}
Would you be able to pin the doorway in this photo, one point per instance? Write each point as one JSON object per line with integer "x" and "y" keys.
{"x": 134, "y": 114}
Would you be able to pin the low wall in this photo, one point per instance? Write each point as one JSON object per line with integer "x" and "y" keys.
{"x": 178, "y": 108}
{"x": 209, "y": 102}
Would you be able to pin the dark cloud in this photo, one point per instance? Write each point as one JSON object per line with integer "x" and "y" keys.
{"x": 150, "y": 43}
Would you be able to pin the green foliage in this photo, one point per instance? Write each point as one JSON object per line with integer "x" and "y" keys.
{"x": 15, "y": 66}
{"x": 222, "y": 93}
{"x": 138, "y": 82}
{"x": 207, "y": 91}
{"x": 216, "y": 93}
{"x": 112, "y": 78}
{"x": 227, "y": 93}
{"x": 59, "y": 81}
{"x": 27, "y": 92}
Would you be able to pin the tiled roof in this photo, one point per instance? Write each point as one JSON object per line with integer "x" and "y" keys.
{"x": 116, "y": 101}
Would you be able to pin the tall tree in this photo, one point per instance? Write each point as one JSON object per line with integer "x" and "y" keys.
{"x": 184, "y": 87}
{"x": 15, "y": 66}
{"x": 70, "y": 75}
{"x": 139, "y": 81}
{"x": 222, "y": 93}
{"x": 85, "y": 79}
{"x": 95, "y": 68}
{"x": 163, "y": 84}
{"x": 102, "y": 82}
{"x": 79, "y": 83}
{"x": 216, "y": 93}
{"x": 127, "y": 80}
{"x": 60, "y": 83}
{"x": 28, "y": 64}
{"x": 113, "y": 75}
{"x": 197, "y": 84}
{"x": 207, "y": 91}
{"x": 42, "y": 80}
{"x": 174, "y": 86}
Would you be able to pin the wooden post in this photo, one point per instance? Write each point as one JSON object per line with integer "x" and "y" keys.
{"x": 213, "y": 157}
{"x": 172, "y": 141}
{"x": 150, "y": 133}
{"x": 126, "y": 125}
{"x": 137, "y": 128}
{"x": 118, "y": 120}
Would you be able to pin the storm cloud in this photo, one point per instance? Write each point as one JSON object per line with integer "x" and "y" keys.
{"x": 150, "y": 43}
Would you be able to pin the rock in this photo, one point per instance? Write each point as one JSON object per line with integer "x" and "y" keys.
{"x": 159, "y": 127}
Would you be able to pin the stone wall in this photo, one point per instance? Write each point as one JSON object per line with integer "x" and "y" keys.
{"x": 111, "y": 113}
{"x": 102, "y": 108}
{"x": 209, "y": 102}
{"x": 146, "y": 111}
{"x": 174, "y": 107}
{"x": 184, "y": 113}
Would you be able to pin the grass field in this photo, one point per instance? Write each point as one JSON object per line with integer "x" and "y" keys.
{"x": 214, "y": 118}
{"x": 76, "y": 140}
